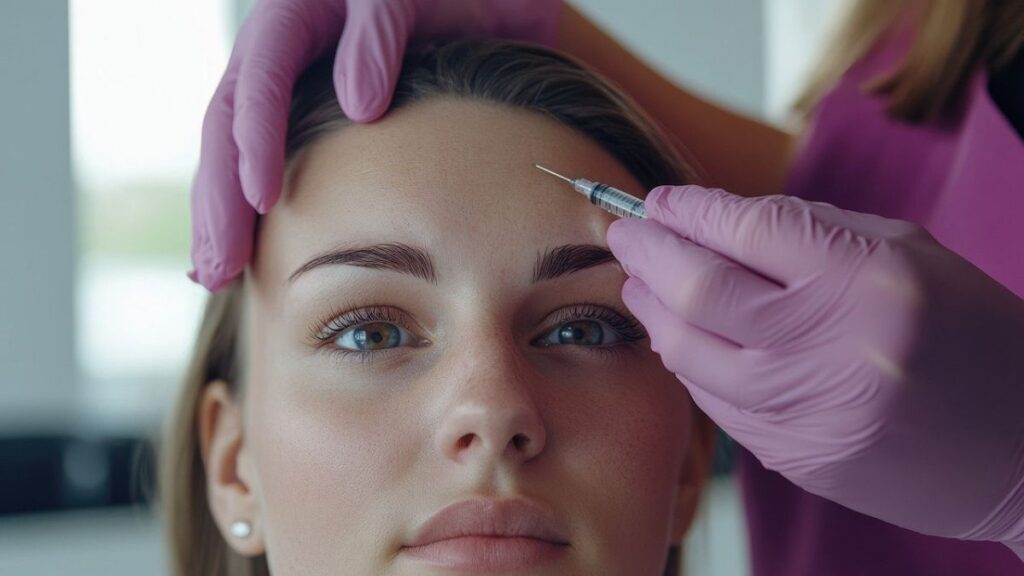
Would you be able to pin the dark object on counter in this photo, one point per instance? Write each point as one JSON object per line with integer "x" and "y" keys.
{"x": 64, "y": 472}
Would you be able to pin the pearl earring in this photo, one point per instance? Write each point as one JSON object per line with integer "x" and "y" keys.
{"x": 241, "y": 529}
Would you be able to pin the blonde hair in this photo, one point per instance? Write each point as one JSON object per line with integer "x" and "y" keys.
{"x": 509, "y": 73}
{"x": 954, "y": 38}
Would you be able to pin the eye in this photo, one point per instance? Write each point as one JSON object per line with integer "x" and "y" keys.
{"x": 581, "y": 333}
{"x": 364, "y": 332}
{"x": 591, "y": 325}
{"x": 372, "y": 336}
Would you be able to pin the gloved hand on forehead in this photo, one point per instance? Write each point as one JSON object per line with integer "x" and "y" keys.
{"x": 852, "y": 353}
{"x": 241, "y": 162}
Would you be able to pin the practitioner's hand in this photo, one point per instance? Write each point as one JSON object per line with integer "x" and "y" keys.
{"x": 242, "y": 158}
{"x": 852, "y": 353}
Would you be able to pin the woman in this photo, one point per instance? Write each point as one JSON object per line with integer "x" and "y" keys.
{"x": 872, "y": 362}
{"x": 426, "y": 324}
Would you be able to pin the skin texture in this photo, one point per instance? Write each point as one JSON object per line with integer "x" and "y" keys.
{"x": 336, "y": 462}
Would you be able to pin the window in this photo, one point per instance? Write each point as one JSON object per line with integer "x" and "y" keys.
{"x": 142, "y": 73}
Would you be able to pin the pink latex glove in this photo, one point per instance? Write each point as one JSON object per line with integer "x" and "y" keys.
{"x": 851, "y": 353}
{"x": 242, "y": 158}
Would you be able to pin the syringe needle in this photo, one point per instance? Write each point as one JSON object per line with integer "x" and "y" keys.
{"x": 553, "y": 173}
{"x": 610, "y": 199}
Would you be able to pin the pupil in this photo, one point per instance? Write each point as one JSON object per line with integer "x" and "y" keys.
{"x": 374, "y": 336}
{"x": 574, "y": 333}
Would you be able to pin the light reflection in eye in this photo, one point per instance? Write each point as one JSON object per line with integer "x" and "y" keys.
{"x": 580, "y": 333}
{"x": 372, "y": 336}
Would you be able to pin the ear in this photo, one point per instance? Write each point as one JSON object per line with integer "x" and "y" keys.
{"x": 230, "y": 474}
{"x": 695, "y": 474}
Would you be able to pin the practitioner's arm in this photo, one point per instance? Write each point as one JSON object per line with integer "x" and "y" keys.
{"x": 740, "y": 154}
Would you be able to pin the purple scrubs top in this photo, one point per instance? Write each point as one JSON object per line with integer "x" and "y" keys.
{"x": 962, "y": 178}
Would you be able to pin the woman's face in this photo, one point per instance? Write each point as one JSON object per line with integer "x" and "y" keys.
{"x": 492, "y": 362}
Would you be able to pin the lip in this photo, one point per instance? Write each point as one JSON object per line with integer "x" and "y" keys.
{"x": 489, "y": 535}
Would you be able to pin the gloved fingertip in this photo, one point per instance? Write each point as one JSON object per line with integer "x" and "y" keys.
{"x": 211, "y": 280}
{"x": 366, "y": 98}
{"x": 619, "y": 237}
{"x": 257, "y": 201}
{"x": 246, "y": 181}
{"x": 636, "y": 295}
{"x": 635, "y": 287}
{"x": 656, "y": 193}
{"x": 262, "y": 206}
{"x": 261, "y": 188}
{"x": 202, "y": 278}
{"x": 656, "y": 202}
{"x": 217, "y": 285}
{"x": 625, "y": 228}
{"x": 616, "y": 234}
{"x": 665, "y": 200}
{"x": 364, "y": 111}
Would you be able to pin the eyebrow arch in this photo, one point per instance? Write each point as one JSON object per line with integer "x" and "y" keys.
{"x": 553, "y": 263}
{"x": 569, "y": 258}
{"x": 390, "y": 256}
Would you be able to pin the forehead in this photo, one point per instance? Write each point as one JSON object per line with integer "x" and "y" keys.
{"x": 446, "y": 175}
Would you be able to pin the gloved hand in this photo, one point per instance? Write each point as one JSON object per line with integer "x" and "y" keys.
{"x": 851, "y": 353}
{"x": 242, "y": 158}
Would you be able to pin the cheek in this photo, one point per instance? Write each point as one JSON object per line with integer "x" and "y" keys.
{"x": 326, "y": 465}
{"x": 647, "y": 432}
{"x": 628, "y": 453}
{"x": 641, "y": 417}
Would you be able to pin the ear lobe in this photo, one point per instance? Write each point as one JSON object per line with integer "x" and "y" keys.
{"x": 222, "y": 445}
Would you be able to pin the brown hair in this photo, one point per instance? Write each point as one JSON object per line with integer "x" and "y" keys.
{"x": 954, "y": 38}
{"x": 508, "y": 73}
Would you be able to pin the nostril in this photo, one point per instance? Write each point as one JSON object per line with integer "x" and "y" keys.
{"x": 520, "y": 441}
{"x": 465, "y": 441}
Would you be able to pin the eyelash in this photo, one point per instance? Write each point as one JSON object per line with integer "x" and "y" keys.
{"x": 630, "y": 330}
{"x": 328, "y": 328}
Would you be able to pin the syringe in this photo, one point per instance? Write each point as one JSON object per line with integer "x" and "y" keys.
{"x": 611, "y": 199}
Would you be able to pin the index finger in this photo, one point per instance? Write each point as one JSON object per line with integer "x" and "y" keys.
{"x": 277, "y": 41}
{"x": 776, "y": 236}
{"x": 222, "y": 220}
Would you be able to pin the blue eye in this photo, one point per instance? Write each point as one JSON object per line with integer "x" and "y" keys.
{"x": 372, "y": 336}
{"x": 365, "y": 332}
{"x": 592, "y": 326}
{"x": 581, "y": 333}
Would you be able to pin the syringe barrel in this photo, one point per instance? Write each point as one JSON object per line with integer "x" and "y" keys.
{"x": 611, "y": 199}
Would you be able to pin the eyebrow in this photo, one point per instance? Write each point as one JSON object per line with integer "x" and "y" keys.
{"x": 391, "y": 256}
{"x": 569, "y": 258}
{"x": 552, "y": 263}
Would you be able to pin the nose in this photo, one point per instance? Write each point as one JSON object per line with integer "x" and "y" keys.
{"x": 492, "y": 413}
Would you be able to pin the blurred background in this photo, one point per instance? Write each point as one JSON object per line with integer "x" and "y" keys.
{"x": 101, "y": 109}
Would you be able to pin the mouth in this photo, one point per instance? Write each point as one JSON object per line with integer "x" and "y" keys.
{"x": 485, "y": 535}
{"x": 487, "y": 553}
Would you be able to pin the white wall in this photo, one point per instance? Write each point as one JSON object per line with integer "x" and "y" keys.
{"x": 749, "y": 55}
{"x": 713, "y": 47}
{"x": 38, "y": 374}
{"x": 795, "y": 31}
